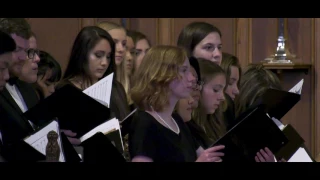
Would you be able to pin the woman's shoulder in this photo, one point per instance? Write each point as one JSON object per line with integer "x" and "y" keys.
{"x": 143, "y": 121}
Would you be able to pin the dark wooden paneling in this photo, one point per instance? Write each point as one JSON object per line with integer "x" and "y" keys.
{"x": 264, "y": 38}
{"x": 115, "y": 20}
{"x": 56, "y": 36}
{"x": 147, "y": 26}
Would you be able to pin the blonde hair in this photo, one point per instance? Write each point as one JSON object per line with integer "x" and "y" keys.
{"x": 151, "y": 81}
{"x": 107, "y": 26}
{"x": 126, "y": 78}
{"x": 212, "y": 124}
{"x": 254, "y": 82}
{"x": 121, "y": 74}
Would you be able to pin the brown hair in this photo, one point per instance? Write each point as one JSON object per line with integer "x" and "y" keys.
{"x": 18, "y": 26}
{"x": 151, "y": 82}
{"x": 137, "y": 36}
{"x": 191, "y": 35}
{"x": 212, "y": 124}
{"x": 254, "y": 82}
{"x": 229, "y": 60}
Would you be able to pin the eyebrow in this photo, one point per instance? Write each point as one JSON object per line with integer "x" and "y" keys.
{"x": 218, "y": 85}
{"x": 212, "y": 44}
{"x": 99, "y": 51}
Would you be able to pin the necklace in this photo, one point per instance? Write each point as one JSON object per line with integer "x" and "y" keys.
{"x": 166, "y": 122}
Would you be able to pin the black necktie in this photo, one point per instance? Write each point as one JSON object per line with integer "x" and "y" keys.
{"x": 12, "y": 81}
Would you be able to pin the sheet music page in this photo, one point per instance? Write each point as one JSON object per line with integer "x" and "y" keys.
{"x": 300, "y": 156}
{"x": 278, "y": 123}
{"x": 101, "y": 90}
{"x": 297, "y": 88}
{"x": 128, "y": 115}
{"x": 110, "y": 125}
{"x": 39, "y": 140}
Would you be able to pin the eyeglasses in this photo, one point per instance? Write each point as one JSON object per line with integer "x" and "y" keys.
{"x": 32, "y": 52}
{"x": 198, "y": 85}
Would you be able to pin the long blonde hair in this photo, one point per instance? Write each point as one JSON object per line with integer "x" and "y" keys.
{"x": 108, "y": 26}
{"x": 212, "y": 124}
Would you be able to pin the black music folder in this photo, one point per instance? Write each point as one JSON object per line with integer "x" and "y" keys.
{"x": 277, "y": 103}
{"x": 69, "y": 152}
{"x": 98, "y": 148}
{"x": 254, "y": 131}
{"x": 21, "y": 152}
{"x": 33, "y": 147}
{"x": 75, "y": 110}
{"x": 294, "y": 143}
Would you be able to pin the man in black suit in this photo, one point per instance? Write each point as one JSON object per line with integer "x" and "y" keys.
{"x": 7, "y": 46}
{"x": 18, "y": 96}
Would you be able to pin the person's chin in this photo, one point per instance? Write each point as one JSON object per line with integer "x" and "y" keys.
{"x": 118, "y": 62}
{"x": 99, "y": 75}
{"x": 212, "y": 111}
{"x": 33, "y": 79}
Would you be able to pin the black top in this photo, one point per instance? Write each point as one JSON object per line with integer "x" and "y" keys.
{"x": 199, "y": 134}
{"x": 151, "y": 139}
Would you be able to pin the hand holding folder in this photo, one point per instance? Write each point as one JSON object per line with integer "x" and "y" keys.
{"x": 254, "y": 132}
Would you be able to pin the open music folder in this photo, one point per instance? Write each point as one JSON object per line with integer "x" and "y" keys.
{"x": 39, "y": 139}
{"x": 33, "y": 147}
{"x": 109, "y": 128}
{"x": 75, "y": 110}
{"x": 297, "y": 88}
{"x": 254, "y": 131}
{"x": 101, "y": 90}
{"x": 294, "y": 151}
{"x": 277, "y": 103}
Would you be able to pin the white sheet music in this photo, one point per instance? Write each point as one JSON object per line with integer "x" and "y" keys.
{"x": 39, "y": 140}
{"x": 112, "y": 124}
{"x": 278, "y": 123}
{"x": 300, "y": 155}
{"x": 101, "y": 90}
{"x": 297, "y": 88}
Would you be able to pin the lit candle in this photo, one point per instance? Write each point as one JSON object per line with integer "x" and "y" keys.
{"x": 281, "y": 26}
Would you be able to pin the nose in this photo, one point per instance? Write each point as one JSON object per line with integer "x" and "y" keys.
{"x": 36, "y": 58}
{"x": 128, "y": 56}
{"x": 191, "y": 78}
{"x": 217, "y": 54}
{"x": 190, "y": 100}
{"x": 104, "y": 61}
{"x": 236, "y": 90}
{"x": 120, "y": 48}
{"x": 221, "y": 97}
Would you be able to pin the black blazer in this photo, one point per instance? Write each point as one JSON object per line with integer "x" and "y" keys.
{"x": 13, "y": 125}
